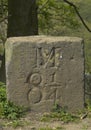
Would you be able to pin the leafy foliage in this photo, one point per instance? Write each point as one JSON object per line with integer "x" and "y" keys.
{"x": 11, "y": 111}
{"x": 3, "y": 8}
{"x": 8, "y": 109}
{"x": 56, "y": 16}
{"x": 2, "y": 92}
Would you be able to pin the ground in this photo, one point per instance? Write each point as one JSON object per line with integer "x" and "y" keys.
{"x": 32, "y": 122}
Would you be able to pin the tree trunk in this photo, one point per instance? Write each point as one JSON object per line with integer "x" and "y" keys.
{"x": 22, "y": 19}
{"x": 2, "y": 69}
{"x": 3, "y": 34}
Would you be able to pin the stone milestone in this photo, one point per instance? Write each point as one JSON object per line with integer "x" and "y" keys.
{"x": 42, "y": 71}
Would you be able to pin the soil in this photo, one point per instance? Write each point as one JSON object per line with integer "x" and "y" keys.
{"x": 34, "y": 123}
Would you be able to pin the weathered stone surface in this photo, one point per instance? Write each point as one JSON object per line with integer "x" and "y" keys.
{"x": 88, "y": 87}
{"x": 42, "y": 71}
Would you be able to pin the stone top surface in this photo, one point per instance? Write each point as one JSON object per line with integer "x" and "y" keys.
{"x": 42, "y": 38}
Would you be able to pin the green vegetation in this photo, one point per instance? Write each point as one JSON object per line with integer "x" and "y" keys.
{"x": 8, "y": 109}
{"x": 61, "y": 116}
{"x": 58, "y": 18}
{"x": 55, "y": 17}
{"x": 14, "y": 113}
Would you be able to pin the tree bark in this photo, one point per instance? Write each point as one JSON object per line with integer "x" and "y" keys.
{"x": 22, "y": 20}
{"x": 2, "y": 69}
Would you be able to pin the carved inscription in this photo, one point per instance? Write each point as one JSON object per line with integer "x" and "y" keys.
{"x": 48, "y": 57}
{"x": 35, "y": 79}
{"x": 53, "y": 77}
{"x": 43, "y": 83}
{"x": 34, "y": 96}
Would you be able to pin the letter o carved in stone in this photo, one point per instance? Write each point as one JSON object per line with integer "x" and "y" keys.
{"x": 34, "y": 96}
{"x": 35, "y": 79}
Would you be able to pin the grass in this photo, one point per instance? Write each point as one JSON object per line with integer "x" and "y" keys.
{"x": 66, "y": 117}
{"x": 59, "y": 114}
{"x": 9, "y": 110}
